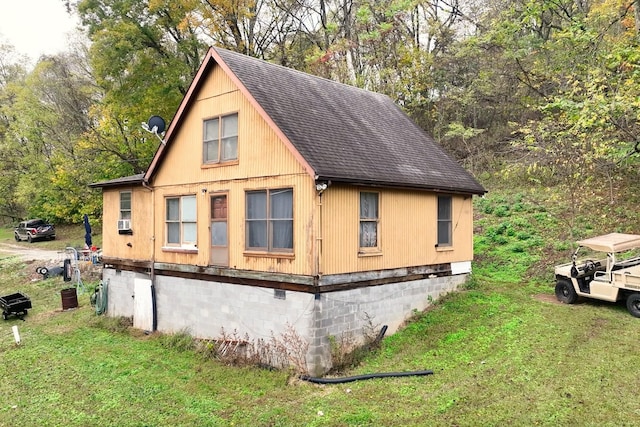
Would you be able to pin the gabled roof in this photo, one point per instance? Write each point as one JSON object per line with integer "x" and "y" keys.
{"x": 338, "y": 132}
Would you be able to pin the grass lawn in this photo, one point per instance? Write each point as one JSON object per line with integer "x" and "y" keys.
{"x": 503, "y": 352}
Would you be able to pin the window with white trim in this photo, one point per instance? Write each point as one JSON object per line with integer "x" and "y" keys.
{"x": 369, "y": 220}
{"x": 220, "y": 140}
{"x": 180, "y": 220}
{"x": 269, "y": 220}
{"x": 125, "y": 205}
{"x": 445, "y": 237}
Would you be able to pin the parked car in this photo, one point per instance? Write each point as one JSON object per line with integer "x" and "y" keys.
{"x": 34, "y": 229}
{"x": 611, "y": 272}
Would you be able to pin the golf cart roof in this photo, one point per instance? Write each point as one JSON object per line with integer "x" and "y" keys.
{"x": 613, "y": 242}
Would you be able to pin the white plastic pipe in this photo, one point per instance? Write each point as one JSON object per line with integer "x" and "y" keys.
{"x": 16, "y": 334}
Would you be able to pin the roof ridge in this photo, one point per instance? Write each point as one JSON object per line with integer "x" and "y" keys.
{"x": 303, "y": 74}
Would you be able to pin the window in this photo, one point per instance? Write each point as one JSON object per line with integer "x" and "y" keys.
{"x": 369, "y": 219}
{"x": 270, "y": 220}
{"x": 181, "y": 220}
{"x": 444, "y": 221}
{"x": 221, "y": 139}
{"x": 125, "y": 205}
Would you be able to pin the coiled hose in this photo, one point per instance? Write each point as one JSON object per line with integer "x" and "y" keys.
{"x": 101, "y": 298}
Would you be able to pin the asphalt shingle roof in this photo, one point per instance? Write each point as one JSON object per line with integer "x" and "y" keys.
{"x": 349, "y": 134}
{"x": 344, "y": 133}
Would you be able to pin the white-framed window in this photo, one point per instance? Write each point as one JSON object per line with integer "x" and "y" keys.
{"x": 220, "y": 139}
{"x": 369, "y": 220}
{"x": 125, "y": 205}
{"x": 180, "y": 220}
{"x": 269, "y": 220}
{"x": 445, "y": 237}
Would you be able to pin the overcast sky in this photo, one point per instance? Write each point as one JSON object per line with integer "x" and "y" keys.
{"x": 35, "y": 27}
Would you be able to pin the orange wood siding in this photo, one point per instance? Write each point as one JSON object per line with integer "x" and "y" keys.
{"x": 330, "y": 225}
{"x": 300, "y": 262}
{"x": 407, "y": 232}
{"x": 114, "y": 244}
{"x": 264, "y": 162}
{"x": 260, "y": 151}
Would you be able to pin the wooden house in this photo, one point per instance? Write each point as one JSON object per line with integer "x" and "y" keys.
{"x": 282, "y": 200}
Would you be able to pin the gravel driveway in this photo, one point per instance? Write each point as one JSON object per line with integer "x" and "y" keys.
{"x": 30, "y": 253}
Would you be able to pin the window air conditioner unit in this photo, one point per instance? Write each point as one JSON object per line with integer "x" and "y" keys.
{"x": 124, "y": 225}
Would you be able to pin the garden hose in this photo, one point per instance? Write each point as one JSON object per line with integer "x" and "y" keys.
{"x": 100, "y": 296}
{"x": 363, "y": 377}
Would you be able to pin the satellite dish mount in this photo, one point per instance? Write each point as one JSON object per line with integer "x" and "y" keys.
{"x": 156, "y": 126}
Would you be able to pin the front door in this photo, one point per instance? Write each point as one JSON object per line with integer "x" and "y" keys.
{"x": 219, "y": 238}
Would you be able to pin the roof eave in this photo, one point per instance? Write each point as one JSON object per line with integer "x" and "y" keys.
{"x": 129, "y": 181}
{"x": 115, "y": 184}
{"x": 401, "y": 185}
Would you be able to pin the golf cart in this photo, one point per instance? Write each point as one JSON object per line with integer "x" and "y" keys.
{"x": 610, "y": 273}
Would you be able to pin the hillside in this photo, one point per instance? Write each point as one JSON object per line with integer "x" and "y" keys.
{"x": 503, "y": 351}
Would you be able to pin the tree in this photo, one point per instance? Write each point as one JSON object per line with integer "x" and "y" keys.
{"x": 586, "y": 75}
{"x": 12, "y": 72}
{"x": 143, "y": 57}
{"x": 51, "y": 118}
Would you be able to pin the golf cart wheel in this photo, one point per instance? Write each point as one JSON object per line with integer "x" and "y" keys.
{"x": 29, "y": 239}
{"x": 5, "y": 316}
{"x": 16, "y": 237}
{"x": 633, "y": 304}
{"x": 565, "y": 292}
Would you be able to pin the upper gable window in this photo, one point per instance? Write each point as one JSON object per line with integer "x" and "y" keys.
{"x": 221, "y": 139}
{"x": 445, "y": 221}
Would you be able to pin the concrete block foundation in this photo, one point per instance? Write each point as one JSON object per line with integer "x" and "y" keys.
{"x": 205, "y": 309}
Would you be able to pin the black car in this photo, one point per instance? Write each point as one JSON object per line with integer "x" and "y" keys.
{"x": 34, "y": 229}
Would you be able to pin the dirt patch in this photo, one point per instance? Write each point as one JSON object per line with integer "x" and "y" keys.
{"x": 35, "y": 258}
{"x": 547, "y": 298}
{"x": 29, "y": 253}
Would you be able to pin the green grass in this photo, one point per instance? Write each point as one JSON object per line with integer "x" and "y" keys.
{"x": 503, "y": 352}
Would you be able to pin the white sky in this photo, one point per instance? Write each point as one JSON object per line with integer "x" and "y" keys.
{"x": 35, "y": 27}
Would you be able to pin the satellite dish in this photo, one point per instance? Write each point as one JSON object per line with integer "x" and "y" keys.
{"x": 156, "y": 124}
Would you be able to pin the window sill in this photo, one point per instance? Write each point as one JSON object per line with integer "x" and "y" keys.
{"x": 261, "y": 254}
{"x": 178, "y": 249}
{"x": 444, "y": 248}
{"x": 376, "y": 252}
{"x": 220, "y": 164}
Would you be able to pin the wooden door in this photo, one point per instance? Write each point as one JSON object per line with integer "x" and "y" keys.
{"x": 219, "y": 231}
